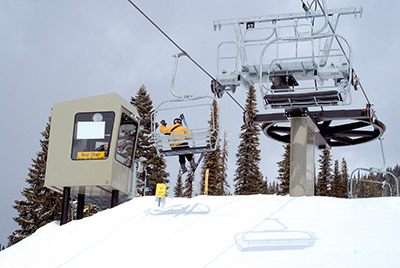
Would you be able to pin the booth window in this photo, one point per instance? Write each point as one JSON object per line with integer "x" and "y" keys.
{"x": 92, "y": 135}
{"x": 126, "y": 140}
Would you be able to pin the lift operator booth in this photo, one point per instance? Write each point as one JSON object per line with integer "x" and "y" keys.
{"x": 91, "y": 149}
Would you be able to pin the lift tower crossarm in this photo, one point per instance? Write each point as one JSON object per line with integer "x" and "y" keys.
{"x": 289, "y": 16}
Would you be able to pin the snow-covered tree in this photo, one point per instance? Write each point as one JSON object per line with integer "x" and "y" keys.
{"x": 216, "y": 163}
{"x": 345, "y": 178}
{"x": 40, "y": 205}
{"x": 284, "y": 171}
{"x": 367, "y": 188}
{"x": 336, "y": 181}
{"x": 248, "y": 178}
{"x": 155, "y": 165}
{"x": 265, "y": 186}
{"x": 325, "y": 173}
{"x": 273, "y": 188}
{"x": 178, "y": 189}
{"x": 390, "y": 180}
{"x": 224, "y": 186}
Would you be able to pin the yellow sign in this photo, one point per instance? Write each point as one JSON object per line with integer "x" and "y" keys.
{"x": 161, "y": 190}
{"x": 90, "y": 155}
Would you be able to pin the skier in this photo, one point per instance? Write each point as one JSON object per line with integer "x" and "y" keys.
{"x": 177, "y": 143}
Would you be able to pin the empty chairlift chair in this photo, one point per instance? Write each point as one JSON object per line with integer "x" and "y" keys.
{"x": 297, "y": 59}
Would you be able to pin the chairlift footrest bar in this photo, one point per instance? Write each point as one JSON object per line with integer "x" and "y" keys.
{"x": 182, "y": 151}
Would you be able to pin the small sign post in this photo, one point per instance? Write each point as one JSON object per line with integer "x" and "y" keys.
{"x": 161, "y": 191}
{"x": 206, "y": 182}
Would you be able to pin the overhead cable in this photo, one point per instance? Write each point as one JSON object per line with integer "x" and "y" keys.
{"x": 170, "y": 39}
{"x": 180, "y": 48}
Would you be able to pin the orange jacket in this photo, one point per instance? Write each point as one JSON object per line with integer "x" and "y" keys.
{"x": 174, "y": 131}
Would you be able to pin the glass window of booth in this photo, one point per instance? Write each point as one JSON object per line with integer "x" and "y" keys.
{"x": 92, "y": 135}
{"x": 126, "y": 140}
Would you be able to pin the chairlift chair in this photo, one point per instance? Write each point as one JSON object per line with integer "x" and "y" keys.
{"x": 203, "y": 136}
{"x": 384, "y": 183}
{"x": 201, "y": 112}
{"x": 295, "y": 63}
{"x": 373, "y": 170}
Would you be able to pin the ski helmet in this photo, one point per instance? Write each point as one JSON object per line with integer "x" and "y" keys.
{"x": 177, "y": 120}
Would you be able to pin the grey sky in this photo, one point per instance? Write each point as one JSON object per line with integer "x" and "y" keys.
{"x": 54, "y": 51}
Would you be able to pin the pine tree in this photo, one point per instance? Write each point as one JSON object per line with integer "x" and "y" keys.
{"x": 355, "y": 185}
{"x": 325, "y": 173}
{"x": 273, "y": 188}
{"x": 265, "y": 186}
{"x": 375, "y": 189}
{"x": 178, "y": 189}
{"x": 41, "y": 205}
{"x": 390, "y": 180}
{"x": 362, "y": 187}
{"x": 367, "y": 188}
{"x": 224, "y": 186}
{"x": 216, "y": 163}
{"x": 336, "y": 181}
{"x": 188, "y": 187}
{"x": 248, "y": 177}
{"x": 345, "y": 179}
{"x": 155, "y": 165}
{"x": 284, "y": 171}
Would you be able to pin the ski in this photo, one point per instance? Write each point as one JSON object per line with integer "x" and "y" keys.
{"x": 192, "y": 171}
{"x": 199, "y": 160}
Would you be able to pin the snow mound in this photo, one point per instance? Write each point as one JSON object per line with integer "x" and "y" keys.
{"x": 229, "y": 231}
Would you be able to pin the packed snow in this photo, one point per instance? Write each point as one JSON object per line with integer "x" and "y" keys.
{"x": 228, "y": 231}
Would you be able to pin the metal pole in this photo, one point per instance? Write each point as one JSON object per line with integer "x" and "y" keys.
{"x": 206, "y": 182}
{"x": 65, "y": 205}
{"x": 81, "y": 205}
{"x": 114, "y": 198}
{"x": 132, "y": 194}
{"x": 302, "y": 165}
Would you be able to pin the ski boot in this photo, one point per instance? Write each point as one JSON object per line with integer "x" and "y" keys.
{"x": 183, "y": 168}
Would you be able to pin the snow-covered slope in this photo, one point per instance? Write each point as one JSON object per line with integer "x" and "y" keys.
{"x": 233, "y": 231}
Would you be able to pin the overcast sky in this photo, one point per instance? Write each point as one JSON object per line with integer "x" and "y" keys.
{"x": 53, "y": 51}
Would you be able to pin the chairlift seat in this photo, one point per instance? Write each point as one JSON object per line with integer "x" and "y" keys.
{"x": 198, "y": 141}
{"x": 316, "y": 98}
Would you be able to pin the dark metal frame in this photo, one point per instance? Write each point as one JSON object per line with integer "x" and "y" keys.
{"x": 357, "y": 126}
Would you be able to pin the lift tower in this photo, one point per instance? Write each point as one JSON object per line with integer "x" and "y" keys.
{"x": 303, "y": 67}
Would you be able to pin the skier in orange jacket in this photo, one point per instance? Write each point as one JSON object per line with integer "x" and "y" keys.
{"x": 177, "y": 142}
